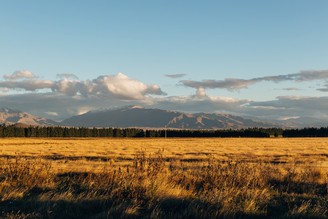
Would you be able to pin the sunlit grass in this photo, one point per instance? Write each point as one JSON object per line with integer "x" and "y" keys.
{"x": 163, "y": 178}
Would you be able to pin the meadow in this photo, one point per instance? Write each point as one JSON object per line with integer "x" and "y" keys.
{"x": 164, "y": 178}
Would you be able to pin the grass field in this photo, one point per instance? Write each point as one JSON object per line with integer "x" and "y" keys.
{"x": 164, "y": 178}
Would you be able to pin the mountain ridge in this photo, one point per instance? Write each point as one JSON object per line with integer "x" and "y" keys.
{"x": 10, "y": 116}
{"x": 136, "y": 116}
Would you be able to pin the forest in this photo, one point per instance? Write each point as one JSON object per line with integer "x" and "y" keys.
{"x": 63, "y": 132}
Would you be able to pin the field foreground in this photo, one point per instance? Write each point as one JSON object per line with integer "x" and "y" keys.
{"x": 164, "y": 178}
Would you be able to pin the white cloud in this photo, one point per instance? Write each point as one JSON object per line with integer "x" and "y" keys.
{"x": 23, "y": 74}
{"x": 59, "y": 99}
{"x": 125, "y": 87}
{"x": 119, "y": 85}
{"x": 66, "y": 86}
{"x": 200, "y": 92}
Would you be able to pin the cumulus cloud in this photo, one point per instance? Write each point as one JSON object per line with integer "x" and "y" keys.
{"x": 67, "y": 96}
{"x": 237, "y": 84}
{"x": 200, "y": 92}
{"x": 175, "y": 75}
{"x": 118, "y": 85}
{"x": 125, "y": 87}
{"x": 23, "y": 74}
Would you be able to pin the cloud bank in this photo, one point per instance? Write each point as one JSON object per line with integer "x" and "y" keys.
{"x": 237, "y": 84}
{"x": 68, "y": 96}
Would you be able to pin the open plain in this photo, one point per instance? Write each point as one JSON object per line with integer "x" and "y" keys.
{"x": 163, "y": 178}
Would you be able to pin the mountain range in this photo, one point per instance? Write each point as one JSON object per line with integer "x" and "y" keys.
{"x": 10, "y": 117}
{"x": 136, "y": 116}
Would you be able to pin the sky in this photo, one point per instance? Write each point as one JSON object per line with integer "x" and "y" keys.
{"x": 264, "y": 59}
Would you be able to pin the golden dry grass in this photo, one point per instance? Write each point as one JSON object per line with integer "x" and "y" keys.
{"x": 164, "y": 178}
{"x": 91, "y": 152}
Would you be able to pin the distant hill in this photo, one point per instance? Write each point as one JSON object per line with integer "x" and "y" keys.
{"x": 10, "y": 117}
{"x": 135, "y": 116}
{"x": 303, "y": 122}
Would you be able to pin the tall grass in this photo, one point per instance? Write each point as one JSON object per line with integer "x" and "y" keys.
{"x": 156, "y": 187}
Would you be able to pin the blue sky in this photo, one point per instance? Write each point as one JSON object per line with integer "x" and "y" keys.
{"x": 146, "y": 40}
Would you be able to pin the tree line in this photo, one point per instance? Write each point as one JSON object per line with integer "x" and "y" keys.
{"x": 64, "y": 132}
{"x": 306, "y": 132}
